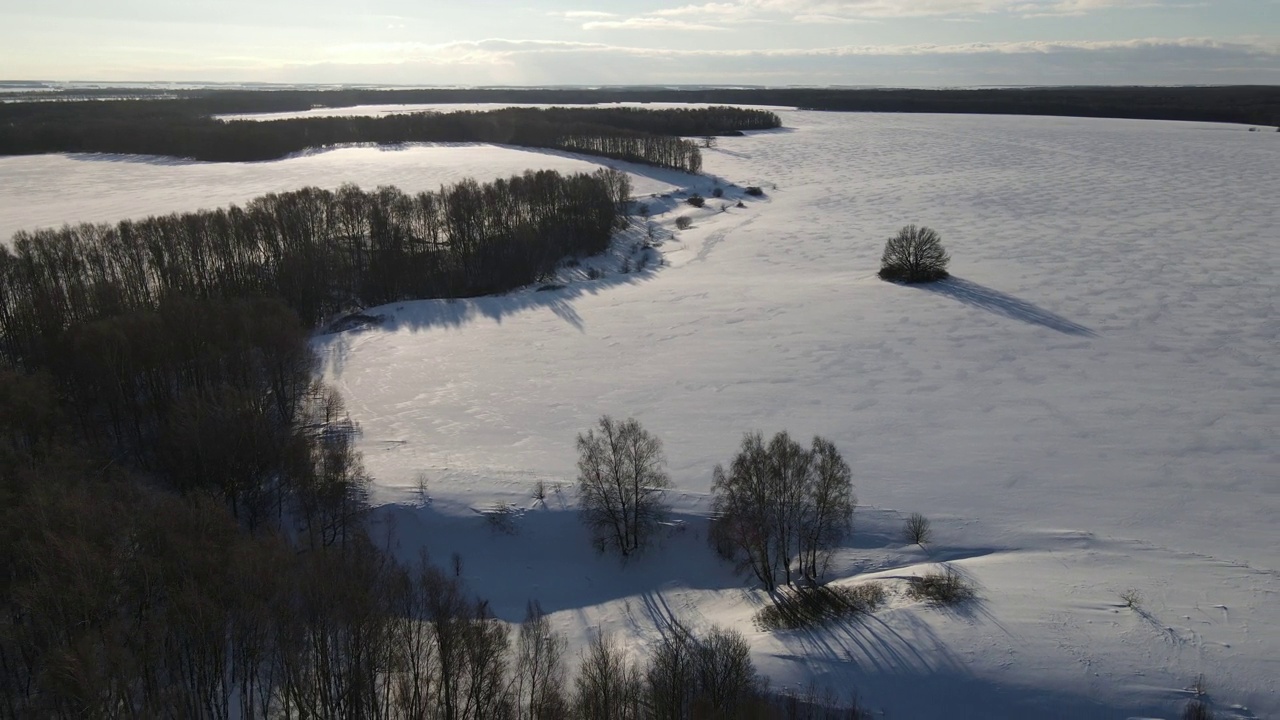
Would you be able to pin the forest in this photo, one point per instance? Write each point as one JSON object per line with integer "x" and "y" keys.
{"x": 178, "y": 128}
{"x": 1247, "y": 104}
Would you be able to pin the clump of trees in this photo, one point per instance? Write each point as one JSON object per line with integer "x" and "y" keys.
{"x": 782, "y": 509}
{"x": 621, "y": 484}
{"x": 914, "y": 255}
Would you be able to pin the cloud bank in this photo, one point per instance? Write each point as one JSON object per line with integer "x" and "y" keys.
{"x": 496, "y": 61}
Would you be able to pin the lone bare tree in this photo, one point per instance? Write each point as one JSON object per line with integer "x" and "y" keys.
{"x": 621, "y": 484}
{"x": 914, "y": 255}
{"x": 918, "y": 530}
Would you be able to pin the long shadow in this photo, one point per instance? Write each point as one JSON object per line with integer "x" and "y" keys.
{"x": 550, "y": 558}
{"x": 993, "y": 301}
{"x": 417, "y": 315}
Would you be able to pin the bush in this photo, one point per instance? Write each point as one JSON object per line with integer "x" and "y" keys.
{"x": 696, "y": 200}
{"x": 755, "y": 191}
{"x": 502, "y": 518}
{"x": 941, "y": 587}
{"x": 718, "y": 192}
{"x": 684, "y": 222}
{"x": 806, "y": 607}
{"x": 914, "y": 255}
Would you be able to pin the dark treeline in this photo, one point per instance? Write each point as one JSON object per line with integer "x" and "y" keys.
{"x": 70, "y": 291}
{"x": 119, "y": 600}
{"x": 1237, "y": 104}
{"x": 173, "y": 128}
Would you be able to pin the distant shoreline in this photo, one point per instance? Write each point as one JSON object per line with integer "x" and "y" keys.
{"x": 1244, "y": 104}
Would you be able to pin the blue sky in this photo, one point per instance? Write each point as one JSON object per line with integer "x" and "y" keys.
{"x": 765, "y": 42}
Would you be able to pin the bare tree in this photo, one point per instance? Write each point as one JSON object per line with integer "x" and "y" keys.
{"x": 670, "y": 678}
{"x": 621, "y": 484}
{"x": 539, "y": 669}
{"x": 917, "y": 529}
{"x": 914, "y": 255}
{"x": 608, "y": 685}
{"x": 828, "y": 516}
{"x": 728, "y": 683}
{"x": 743, "y": 497}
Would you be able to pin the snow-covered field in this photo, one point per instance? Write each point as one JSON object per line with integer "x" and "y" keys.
{"x": 1090, "y": 406}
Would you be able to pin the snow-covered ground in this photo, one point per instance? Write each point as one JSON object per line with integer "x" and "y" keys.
{"x": 1090, "y": 405}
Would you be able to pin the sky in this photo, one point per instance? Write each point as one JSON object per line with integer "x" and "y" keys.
{"x": 905, "y": 43}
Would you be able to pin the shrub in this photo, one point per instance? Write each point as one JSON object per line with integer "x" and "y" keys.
{"x": 718, "y": 192}
{"x": 684, "y": 222}
{"x": 755, "y": 190}
{"x": 696, "y": 200}
{"x": 805, "y": 607}
{"x": 941, "y": 587}
{"x": 741, "y": 204}
{"x": 502, "y": 518}
{"x": 918, "y": 529}
{"x": 914, "y": 255}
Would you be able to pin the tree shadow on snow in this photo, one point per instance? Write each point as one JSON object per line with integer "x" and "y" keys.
{"x": 900, "y": 659}
{"x": 974, "y": 295}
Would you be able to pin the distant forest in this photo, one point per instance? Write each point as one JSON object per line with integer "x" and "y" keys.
{"x": 1259, "y": 104}
{"x": 182, "y": 128}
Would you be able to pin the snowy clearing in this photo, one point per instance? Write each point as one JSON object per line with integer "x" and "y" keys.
{"x": 1088, "y": 407}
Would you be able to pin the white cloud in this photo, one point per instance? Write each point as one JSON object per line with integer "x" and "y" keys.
{"x": 585, "y": 14}
{"x": 647, "y": 23}
{"x": 848, "y": 11}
